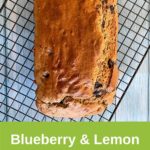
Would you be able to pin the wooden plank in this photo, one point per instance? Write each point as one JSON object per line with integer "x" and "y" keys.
{"x": 149, "y": 84}
{"x": 134, "y": 106}
{"x": 10, "y": 64}
{"x": 2, "y": 68}
{"x": 17, "y": 58}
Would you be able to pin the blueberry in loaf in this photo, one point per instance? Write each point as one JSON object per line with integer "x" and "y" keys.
{"x": 75, "y": 56}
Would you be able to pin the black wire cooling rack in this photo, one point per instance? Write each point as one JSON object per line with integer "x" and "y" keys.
{"x": 17, "y": 87}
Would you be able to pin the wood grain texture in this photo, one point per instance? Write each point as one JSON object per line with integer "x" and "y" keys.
{"x": 2, "y": 68}
{"x": 19, "y": 69}
{"x": 134, "y": 106}
{"x": 149, "y": 70}
{"x": 149, "y": 84}
{"x": 11, "y": 73}
{"x": 136, "y": 103}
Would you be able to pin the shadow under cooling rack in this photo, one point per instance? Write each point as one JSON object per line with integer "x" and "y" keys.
{"x": 17, "y": 87}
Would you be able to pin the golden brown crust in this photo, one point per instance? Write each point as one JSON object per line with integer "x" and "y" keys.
{"x": 70, "y": 29}
{"x": 71, "y": 108}
{"x": 72, "y": 52}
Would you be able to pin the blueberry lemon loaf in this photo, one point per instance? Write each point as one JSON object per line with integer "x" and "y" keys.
{"x": 75, "y": 56}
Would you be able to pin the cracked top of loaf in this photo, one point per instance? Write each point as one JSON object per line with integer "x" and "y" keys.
{"x": 74, "y": 55}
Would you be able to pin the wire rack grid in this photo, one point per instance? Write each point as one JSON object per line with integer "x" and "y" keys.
{"x": 17, "y": 87}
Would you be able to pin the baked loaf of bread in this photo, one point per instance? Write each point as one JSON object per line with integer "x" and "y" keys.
{"x": 75, "y": 56}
